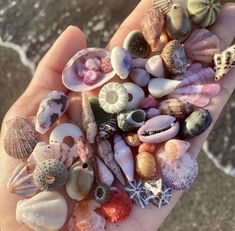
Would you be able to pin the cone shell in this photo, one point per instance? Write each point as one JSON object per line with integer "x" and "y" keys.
{"x": 201, "y": 46}
{"x": 146, "y": 147}
{"x": 21, "y": 181}
{"x": 152, "y": 26}
{"x": 45, "y": 211}
{"x": 20, "y": 138}
{"x": 146, "y": 165}
{"x": 123, "y": 156}
{"x": 204, "y": 12}
{"x": 132, "y": 139}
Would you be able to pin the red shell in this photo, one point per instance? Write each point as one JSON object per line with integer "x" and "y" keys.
{"x": 118, "y": 208}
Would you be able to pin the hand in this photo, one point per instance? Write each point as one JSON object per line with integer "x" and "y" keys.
{"x": 48, "y": 77}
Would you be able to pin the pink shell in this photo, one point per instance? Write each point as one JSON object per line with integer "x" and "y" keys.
{"x": 71, "y": 76}
{"x": 148, "y": 102}
{"x": 201, "y": 46}
{"x": 84, "y": 149}
{"x": 159, "y": 129}
{"x": 178, "y": 174}
{"x": 197, "y": 86}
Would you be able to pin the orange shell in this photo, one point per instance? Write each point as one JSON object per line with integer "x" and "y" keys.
{"x": 146, "y": 147}
{"x": 132, "y": 139}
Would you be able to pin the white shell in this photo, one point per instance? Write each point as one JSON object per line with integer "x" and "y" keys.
{"x": 121, "y": 62}
{"x": 137, "y": 95}
{"x": 159, "y": 87}
{"x": 140, "y": 77}
{"x": 47, "y": 211}
{"x": 139, "y": 62}
{"x": 154, "y": 66}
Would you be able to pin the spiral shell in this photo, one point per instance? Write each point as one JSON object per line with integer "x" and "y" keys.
{"x": 108, "y": 129}
{"x": 132, "y": 139}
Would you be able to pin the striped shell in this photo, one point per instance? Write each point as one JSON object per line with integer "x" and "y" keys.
{"x": 204, "y": 12}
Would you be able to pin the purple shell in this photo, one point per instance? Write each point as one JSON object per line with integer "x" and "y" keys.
{"x": 159, "y": 129}
{"x": 75, "y": 69}
{"x": 180, "y": 173}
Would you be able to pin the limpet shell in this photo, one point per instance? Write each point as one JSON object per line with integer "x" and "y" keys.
{"x": 132, "y": 139}
{"x": 140, "y": 77}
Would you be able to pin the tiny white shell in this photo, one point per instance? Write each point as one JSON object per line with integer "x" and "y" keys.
{"x": 154, "y": 66}
{"x": 140, "y": 77}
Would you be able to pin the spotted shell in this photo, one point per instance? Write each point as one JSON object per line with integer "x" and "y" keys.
{"x": 204, "y": 12}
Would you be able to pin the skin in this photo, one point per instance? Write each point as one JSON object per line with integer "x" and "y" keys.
{"x": 48, "y": 77}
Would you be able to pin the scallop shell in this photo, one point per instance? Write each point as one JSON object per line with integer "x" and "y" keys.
{"x": 140, "y": 77}
{"x": 124, "y": 157}
{"x": 21, "y": 181}
{"x": 152, "y": 26}
{"x": 45, "y": 211}
{"x": 20, "y": 138}
{"x": 81, "y": 178}
{"x": 72, "y": 75}
{"x": 204, "y": 12}
{"x": 132, "y": 139}
{"x": 201, "y": 46}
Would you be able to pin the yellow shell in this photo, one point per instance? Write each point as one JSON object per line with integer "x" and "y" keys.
{"x": 146, "y": 165}
{"x": 132, "y": 139}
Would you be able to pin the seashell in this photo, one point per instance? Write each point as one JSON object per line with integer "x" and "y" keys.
{"x": 140, "y": 77}
{"x": 88, "y": 120}
{"x": 45, "y": 211}
{"x": 174, "y": 57}
{"x": 224, "y": 62}
{"x": 113, "y": 97}
{"x": 204, "y": 12}
{"x": 123, "y": 156}
{"x": 159, "y": 129}
{"x": 20, "y": 138}
{"x": 154, "y": 66}
{"x": 121, "y": 62}
{"x": 105, "y": 64}
{"x": 152, "y": 26}
{"x": 177, "y": 108}
{"x": 102, "y": 193}
{"x": 21, "y": 181}
{"x": 175, "y": 148}
{"x": 84, "y": 217}
{"x": 146, "y": 165}
{"x": 105, "y": 152}
{"x": 75, "y": 70}
{"x": 91, "y": 77}
{"x": 84, "y": 149}
{"x": 132, "y": 139}
{"x": 80, "y": 181}
{"x": 137, "y": 192}
{"x": 166, "y": 5}
{"x": 159, "y": 87}
{"x": 152, "y": 112}
{"x": 104, "y": 174}
{"x": 53, "y": 106}
{"x": 197, "y": 86}
{"x": 135, "y": 94}
{"x": 138, "y": 63}
{"x": 178, "y": 23}
{"x": 162, "y": 42}
{"x": 136, "y": 44}
{"x": 146, "y": 147}
{"x": 178, "y": 174}
{"x": 131, "y": 120}
{"x": 196, "y": 123}
{"x": 201, "y": 46}
{"x": 50, "y": 175}
{"x": 148, "y": 102}
{"x": 58, "y": 151}
{"x": 108, "y": 129}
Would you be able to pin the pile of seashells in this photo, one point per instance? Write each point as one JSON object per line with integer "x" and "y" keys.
{"x": 131, "y": 143}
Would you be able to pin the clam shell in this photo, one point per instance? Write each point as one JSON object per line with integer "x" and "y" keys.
{"x": 204, "y": 12}
{"x": 73, "y": 79}
{"x": 21, "y": 181}
{"x": 140, "y": 77}
{"x": 152, "y": 26}
{"x": 81, "y": 178}
{"x": 154, "y": 66}
{"x": 45, "y": 211}
{"x": 20, "y": 138}
{"x": 146, "y": 147}
{"x": 132, "y": 139}
{"x": 201, "y": 46}
{"x": 53, "y": 106}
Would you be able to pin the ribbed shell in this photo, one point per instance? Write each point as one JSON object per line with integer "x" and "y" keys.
{"x": 204, "y": 12}
{"x": 20, "y": 138}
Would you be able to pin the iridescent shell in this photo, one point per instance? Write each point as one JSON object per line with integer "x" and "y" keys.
{"x": 73, "y": 74}
{"x": 20, "y": 138}
{"x": 204, "y": 12}
{"x": 80, "y": 181}
{"x": 45, "y": 211}
{"x": 152, "y": 26}
{"x": 132, "y": 139}
{"x": 201, "y": 46}
{"x": 21, "y": 181}
{"x": 146, "y": 165}
{"x": 146, "y": 147}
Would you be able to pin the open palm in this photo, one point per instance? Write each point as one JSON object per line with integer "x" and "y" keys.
{"x": 48, "y": 77}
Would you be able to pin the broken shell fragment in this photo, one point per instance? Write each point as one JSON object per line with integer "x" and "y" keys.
{"x": 154, "y": 66}
{"x": 53, "y": 106}
{"x": 140, "y": 77}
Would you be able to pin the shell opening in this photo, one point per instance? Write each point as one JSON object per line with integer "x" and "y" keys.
{"x": 69, "y": 140}
{"x": 49, "y": 179}
{"x": 138, "y": 116}
{"x": 85, "y": 165}
{"x": 100, "y": 193}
